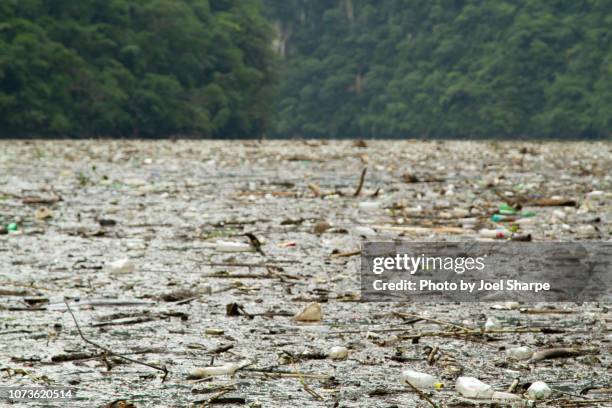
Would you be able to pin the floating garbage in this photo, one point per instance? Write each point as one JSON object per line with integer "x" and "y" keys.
{"x": 586, "y": 231}
{"x": 420, "y": 380}
{"x": 521, "y": 237}
{"x": 230, "y": 246}
{"x": 121, "y": 266}
{"x": 502, "y": 218}
{"x": 507, "y": 213}
{"x": 12, "y": 227}
{"x": 338, "y": 353}
{"x": 504, "y": 396}
{"x": 369, "y": 205}
{"x": 506, "y": 209}
{"x": 525, "y": 221}
{"x": 539, "y": 390}
{"x": 364, "y": 231}
{"x": 519, "y": 353}
{"x": 494, "y": 233}
{"x": 460, "y": 212}
{"x": 43, "y": 213}
{"x": 509, "y": 305}
{"x": 596, "y": 195}
{"x": 471, "y": 387}
{"x": 311, "y": 313}
{"x": 225, "y": 369}
{"x": 559, "y": 214}
{"x": 320, "y": 227}
{"x": 492, "y": 324}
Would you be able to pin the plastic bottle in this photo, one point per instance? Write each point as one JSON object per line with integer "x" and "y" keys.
{"x": 12, "y": 227}
{"x": 492, "y": 324}
{"x": 525, "y": 221}
{"x": 369, "y": 205}
{"x": 471, "y": 387}
{"x": 519, "y": 353}
{"x": 505, "y": 209}
{"x": 504, "y": 396}
{"x": 225, "y": 369}
{"x": 496, "y": 233}
{"x": 420, "y": 380}
{"x": 521, "y": 237}
{"x": 460, "y": 212}
{"x": 364, "y": 231}
{"x": 121, "y": 266}
{"x": 539, "y": 390}
{"x": 586, "y": 231}
{"x": 338, "y": 353}
{"x": 503, "y": 218}
{"x": 228, "y": 246}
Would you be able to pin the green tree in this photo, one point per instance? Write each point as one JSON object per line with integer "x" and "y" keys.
{"x": 444, "y": 68}
{"x": 135, "y": 68}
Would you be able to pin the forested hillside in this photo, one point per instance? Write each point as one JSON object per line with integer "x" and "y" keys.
{"x": 324, "y": 68}
{"x": 134, "y": 67}
{"x": 469, "y": 68}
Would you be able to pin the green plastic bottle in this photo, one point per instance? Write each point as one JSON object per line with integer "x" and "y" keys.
{"x": 505, "y": 209}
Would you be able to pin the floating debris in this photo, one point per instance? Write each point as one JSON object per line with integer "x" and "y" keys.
{"x": 420, "y": 380}
{"x": 124, "y": 265}
{"x": 43, "y": 213}
{"x": 311, "y": 313}
{"x": 229, "y": 246}
{"x": 225, "y": 369}
{"x": 471, "y": 387}
{"x": 338, "y": 353}
{"x": 519, "y": 353}
{"x": 539, "y": 390}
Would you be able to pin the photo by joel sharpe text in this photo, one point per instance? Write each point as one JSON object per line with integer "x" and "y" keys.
{"x": 461, "y": 285}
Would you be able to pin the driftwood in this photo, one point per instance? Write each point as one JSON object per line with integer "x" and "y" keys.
{"x": 112, "y": 353}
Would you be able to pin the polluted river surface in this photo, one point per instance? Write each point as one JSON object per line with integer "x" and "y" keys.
{"x": 192, "y": 254}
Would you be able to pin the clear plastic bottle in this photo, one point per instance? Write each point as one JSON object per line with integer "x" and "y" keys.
{"x": 519, "y": 353}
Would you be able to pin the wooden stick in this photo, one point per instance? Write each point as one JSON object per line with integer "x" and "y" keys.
{"x": 428, "y": 319}
{"x": 513, "y": 386}
{"x": 480, "y": 332}
{"x": 112, "y": 353}
{"x": 280, "y": 373}
{"x": 311, "y": 391}
{"x": 422, "y": 395}
{"x": 345, "y": 254}
{"x": 431, "y": 358}
{"x": 423, "y": 230}
{"x": 361, "y": 180}
{"x": 574, "y": 403}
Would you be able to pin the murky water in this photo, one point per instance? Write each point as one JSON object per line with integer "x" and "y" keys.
{"x": 164, "y": 206}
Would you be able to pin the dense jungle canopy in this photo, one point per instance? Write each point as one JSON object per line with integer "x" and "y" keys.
{"x": 322, "y": 68}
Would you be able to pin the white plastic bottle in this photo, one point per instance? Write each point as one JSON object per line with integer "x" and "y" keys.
{"x": 338, "y": 353}
{"x": 539, "y": 390}
{"x": 494, "y": 233}
{"x": 419, "y": 380}
{"x": 471, "y": 387}
{"x": 229, "y": 246}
